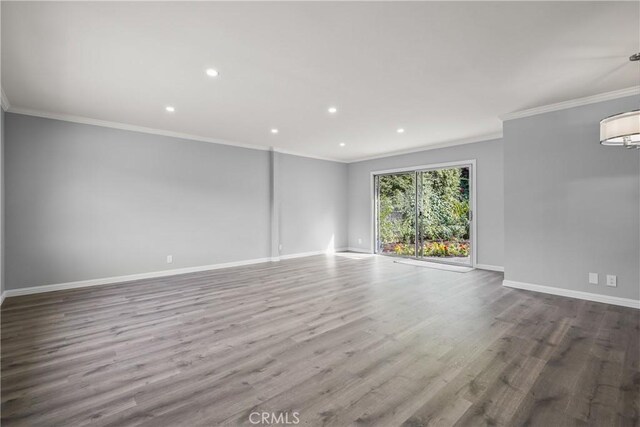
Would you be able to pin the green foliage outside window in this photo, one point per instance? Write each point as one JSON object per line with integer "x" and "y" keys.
{"x": 397, "y": 202}
{"x": 444, "y": 212}
{"x": 445, "y": 205}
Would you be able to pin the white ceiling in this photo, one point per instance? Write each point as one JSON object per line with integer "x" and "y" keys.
{"x": 443, "y": 71}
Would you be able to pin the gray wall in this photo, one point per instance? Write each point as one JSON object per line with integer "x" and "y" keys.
{"x": 571, "y": 205}
{"x": 313, "y": 204}
{"x": 87, "y": 202}
{"x": 1, "y": 200}
{"x": 489, "y": 186}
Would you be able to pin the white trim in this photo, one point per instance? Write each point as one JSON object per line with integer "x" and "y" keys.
{"x": 481, "y": 138}
{"x": 490, "y": 267}
{"x": 295, "y": 153}
{"x": 2, "y": 297}
{"x": 128, "y": 278}
{"x": 432, "y": 166}
{"x": 5, "y": 101}
{"x": 474, "y": 199}
{"x": 624, "y": 302}
{"x": 134, "y": 128}
{"x": 445, "y": 144}
{"x": 373, "y": 226}
{"x": 153, "y": 131}
{"x": 312, "y": 253}
{"x": 132, "y": 277}
{"x": 129, "y": 127}
{"x": 634, "y": 90}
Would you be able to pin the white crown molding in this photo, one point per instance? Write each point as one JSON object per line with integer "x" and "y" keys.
{"x": 5, "y": 101}
{"x": 162, "y": 132}
{"x": 634, "y": 90}
{"x": 295, "y": 153}
{"x": 129, "y": 127}
{"x": 153, "y": 131}
{"x": 452, "y": 143}
{"x": 588, "y": 296}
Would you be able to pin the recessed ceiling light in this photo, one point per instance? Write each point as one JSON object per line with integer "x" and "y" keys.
{"x": 332, "y": 110}
{"x": 274, "y": 130}
{"x": 400, "y": 130}
{"x": 212, "y": 73}
{"x": 169, "y": 109}
{"x": 342, "y": 144}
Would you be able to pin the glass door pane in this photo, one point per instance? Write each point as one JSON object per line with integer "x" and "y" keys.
{"x": 444, "y": 215}
{"x": 396, "y": 208}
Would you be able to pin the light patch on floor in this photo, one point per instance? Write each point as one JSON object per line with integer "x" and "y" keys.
{"x": 354, "y": 255}
{"x": 447, "y": 267}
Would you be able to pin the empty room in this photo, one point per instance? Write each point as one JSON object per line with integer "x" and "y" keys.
{"x": 320, "y": 213}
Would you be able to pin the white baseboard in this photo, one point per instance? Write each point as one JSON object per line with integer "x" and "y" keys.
{"x": 128, "y": 278}
{"x": 2, "y": 297}
{"x": 312, "y": 253}
{"x": 490, "y": 267}
{"x": 359, "y": 250}
{"x": 151, "y": 275}
{"x": 625, "y": 302}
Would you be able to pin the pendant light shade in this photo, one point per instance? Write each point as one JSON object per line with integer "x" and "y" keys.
{"x": 621, "y": 130}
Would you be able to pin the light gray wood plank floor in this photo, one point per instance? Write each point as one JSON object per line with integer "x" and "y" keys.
{"x": 337, "y": 340}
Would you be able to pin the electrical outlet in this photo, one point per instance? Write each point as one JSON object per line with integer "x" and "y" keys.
{"x": 169, "y": 259}
{"x": 593, "y": 278}
{"x": 279, "y": 247}
{"x": 359, "y": 241}
{"x": 612, "y": 280}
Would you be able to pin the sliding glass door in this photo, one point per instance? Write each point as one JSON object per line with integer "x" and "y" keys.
{"x": 425, "y": 214}
{"x": 444, "y": 220}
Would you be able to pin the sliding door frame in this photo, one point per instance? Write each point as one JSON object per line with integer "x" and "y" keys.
{"x": 421, "y": 168}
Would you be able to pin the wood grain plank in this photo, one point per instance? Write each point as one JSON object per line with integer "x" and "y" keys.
{"x": 341, "y": 341}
